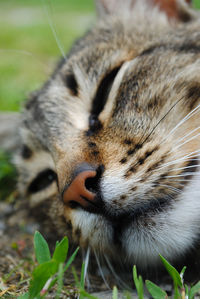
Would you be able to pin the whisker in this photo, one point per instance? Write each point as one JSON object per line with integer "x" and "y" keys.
{"x": 162, "y": 118}
{"x": 26, "y": 53}
{"x": 176, "y": 147}
{"x": 86, "y": 277}
{"x": 182, "y": 180}
{"x": 118, "y": 279}
{"x": 192, "y": 154}
{"x": 170, "y": 187}
{"x": 185, "y": 136}
{"x": 188, "y": 116}
{"x": 100, "y": 270}
{"x": 181, "y": 175}
{"x": 186, "y": 167}
{"x": 157, "y": 124}
{"x": 48, "y": 12}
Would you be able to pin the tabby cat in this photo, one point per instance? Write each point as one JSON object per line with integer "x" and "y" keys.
{"x": 111, "y": 141}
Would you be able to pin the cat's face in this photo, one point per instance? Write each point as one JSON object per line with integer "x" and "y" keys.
{"x": 125, "y": 102}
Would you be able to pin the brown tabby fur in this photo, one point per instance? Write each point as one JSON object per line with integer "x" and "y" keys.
{"x": 149, "y": 189}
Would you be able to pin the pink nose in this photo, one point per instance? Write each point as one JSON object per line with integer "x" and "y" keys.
{"x": 77, "y": 191}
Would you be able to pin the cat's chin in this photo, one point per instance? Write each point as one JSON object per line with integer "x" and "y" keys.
{"x": 171, "y": 231}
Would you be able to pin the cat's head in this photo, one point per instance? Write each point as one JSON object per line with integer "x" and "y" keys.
{"x": 113, "y": 134}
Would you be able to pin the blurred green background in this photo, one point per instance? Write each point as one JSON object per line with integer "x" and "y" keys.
{"x": 28, "y": 48}
{"x": 29, "y": 51}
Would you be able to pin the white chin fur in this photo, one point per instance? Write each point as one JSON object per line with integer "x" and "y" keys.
{"x": 174, "y": 233}
{"x": 171, "y": 233}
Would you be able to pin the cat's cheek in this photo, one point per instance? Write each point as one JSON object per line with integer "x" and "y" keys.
{"x": 171, "y": 233}
{"x": 90, "y": 230}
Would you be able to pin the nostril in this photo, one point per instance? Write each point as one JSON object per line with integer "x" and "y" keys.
{"x": 92, "y": 183}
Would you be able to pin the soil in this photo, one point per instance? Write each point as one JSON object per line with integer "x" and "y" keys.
{"x": 17, "y": 259}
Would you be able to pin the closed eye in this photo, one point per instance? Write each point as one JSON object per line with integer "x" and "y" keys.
{"x": 100, "y": 99}
{"x": 43, "y": 180}
{"x": 103, "y": 90}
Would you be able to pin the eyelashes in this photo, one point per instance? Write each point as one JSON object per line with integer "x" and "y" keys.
{"x": 43, "y": 180}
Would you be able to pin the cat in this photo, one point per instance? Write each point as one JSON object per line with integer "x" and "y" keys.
{"x": 110, "y": 143}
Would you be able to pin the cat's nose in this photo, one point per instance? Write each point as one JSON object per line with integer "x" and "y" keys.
{"x": 83, "y": 188}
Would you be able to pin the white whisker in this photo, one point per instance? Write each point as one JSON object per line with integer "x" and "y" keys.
{"x": 181, "y": 175}
{"x": 192, "y": 154}
{"x": 26, "y": 53}
{"x": 118, "y": 279}
{"x": 187, "y": 167}
{"x": 170, "y": 187}
{"x": 182, "y": 180}
{"x": 188, "y": 140}
{"x": 87, "y": 258}
{"x": 53, "y": 27}
{"x": 185, "y": 136}
{"x": 188, "y": 116}
{"x": 100, "y": 270}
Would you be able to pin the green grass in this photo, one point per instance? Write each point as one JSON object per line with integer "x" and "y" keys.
{"x": 7, "y": 177}
{"x": 28, "y": 50}
{"x": 49, "y": 270}
{"x": 196, "y": 4}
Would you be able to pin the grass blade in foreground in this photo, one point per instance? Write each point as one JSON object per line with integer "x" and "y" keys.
{"x": 60, "y": 281}
{"x": 115, "y": 293}
{"x": 172, "y": 272}
{"x": 50, "y": 270}
{"x": 138, "y": 283}
{"x": 194, "y": 290}
{"x": 40, "y": 275}
{"x": 41, "y": 247}
{"x": 155, "y": 291}
{"x": 61, "y": 250}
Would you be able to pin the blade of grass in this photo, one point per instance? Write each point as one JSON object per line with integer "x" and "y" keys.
{"x": 71, "y": 259}
{"x": 172, "y": 272}
{"x": 40, "y": 276}
{"x": 41, "y": 247}
{"x": 82, "y": 281}
{"x": 194, "y": 290}
{"x": 84, "y": 294}
{"x": 60, "y": 281}
{"x": 138, "y": 283}
{"x": 155, "y": 291}
{"x": 115, "y": 293}
{"x": 61, "y": 250}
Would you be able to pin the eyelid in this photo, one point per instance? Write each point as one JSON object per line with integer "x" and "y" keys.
{"x": 103, "y": 90}
{"x": 104, "y": 116}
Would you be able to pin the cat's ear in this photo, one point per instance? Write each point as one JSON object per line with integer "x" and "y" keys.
{"x": 174, "y": 9}
{"x": 105, "y": 7}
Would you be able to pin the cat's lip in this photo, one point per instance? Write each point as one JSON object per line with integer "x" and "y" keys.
{"x": 136, "y": 212}
{"x": 116, "y": 218}
{"x": 91, "y": 206}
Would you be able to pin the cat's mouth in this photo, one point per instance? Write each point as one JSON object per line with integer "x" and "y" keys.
{"x": 86, "y": 195}
{"x": 116, "y": 216}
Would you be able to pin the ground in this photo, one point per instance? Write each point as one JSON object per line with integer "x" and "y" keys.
{"x": 29, "y": 49}
{"x": 17, "y": 259}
